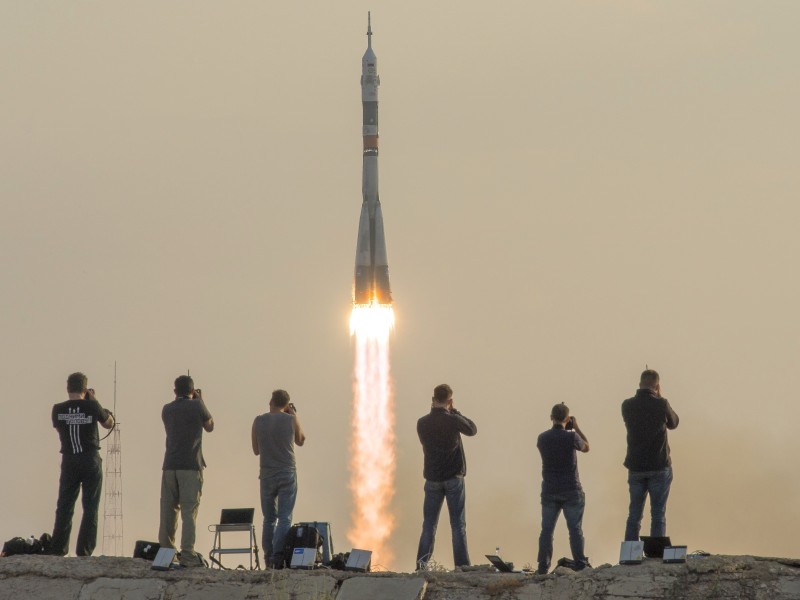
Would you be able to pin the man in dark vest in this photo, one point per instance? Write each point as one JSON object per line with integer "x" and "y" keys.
{"x": 561, "y": 486}
{"x": 81, "y": 466}
{"x": 647, "y": 417}
{"x": 274, "y": 435}
{"x": 184, "y": 419}
{"x": 445, "y": 467}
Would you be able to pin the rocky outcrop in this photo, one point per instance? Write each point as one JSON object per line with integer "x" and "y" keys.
{"x": 107, "y": 578}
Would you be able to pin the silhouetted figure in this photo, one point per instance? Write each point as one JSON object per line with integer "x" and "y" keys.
{"x": 184, "y": 419}
{"x": 647, "y": 417}
{"x": 561, "y": 486}
{"x": 274, "y": 436}
{"x": 81, "y": 466}
{"x": 445, "y": 467}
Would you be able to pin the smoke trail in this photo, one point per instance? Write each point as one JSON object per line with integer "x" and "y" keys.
{"x": 372, "y": 459}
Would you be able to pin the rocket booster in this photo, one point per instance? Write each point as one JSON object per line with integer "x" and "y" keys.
{"x": 371, "y": 281}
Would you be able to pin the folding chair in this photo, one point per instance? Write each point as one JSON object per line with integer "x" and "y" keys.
{"x": 233, "y": 520}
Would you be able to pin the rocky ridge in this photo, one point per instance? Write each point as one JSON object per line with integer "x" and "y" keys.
{"x": 112, "y": 578}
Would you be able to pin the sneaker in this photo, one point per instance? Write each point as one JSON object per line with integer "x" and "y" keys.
{"x": 566, "y": 562}
{"x": 582, "y": 565}
{"x": 276, "y": 561}
{"x": 191, "y": 560}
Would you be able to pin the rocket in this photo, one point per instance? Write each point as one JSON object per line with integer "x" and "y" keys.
{"x": 371, "y": 280}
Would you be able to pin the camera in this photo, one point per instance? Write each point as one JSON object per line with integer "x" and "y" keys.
{"x": 292, "y": 406}
{"x": 570, "y": 424}
{"x": 198, "y": 393}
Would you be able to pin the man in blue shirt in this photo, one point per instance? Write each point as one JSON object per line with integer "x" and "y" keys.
{"x": 561, "y": 486}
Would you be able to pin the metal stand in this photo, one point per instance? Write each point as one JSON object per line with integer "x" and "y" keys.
{"x": 218, "y": 550}
{"x": 112, "y": 511}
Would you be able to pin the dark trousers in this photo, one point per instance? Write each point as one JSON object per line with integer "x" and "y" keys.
{"x": 436, "y": 492}
{"x": 79, "y": 473}
{"x": 656, "y": 484}
{"x": 572, "y": 504}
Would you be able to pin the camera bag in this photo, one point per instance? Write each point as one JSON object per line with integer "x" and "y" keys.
{"x": 302, "y": 536}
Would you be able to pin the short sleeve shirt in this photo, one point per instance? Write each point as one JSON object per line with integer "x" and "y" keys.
{"x": 275, "y": 436}
{"x": 76, "y": 422}
{"x": 183, "y": 421}
{"x": 559, "y": 460}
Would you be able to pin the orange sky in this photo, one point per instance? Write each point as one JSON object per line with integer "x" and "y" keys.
{"x": 570, "y": 190}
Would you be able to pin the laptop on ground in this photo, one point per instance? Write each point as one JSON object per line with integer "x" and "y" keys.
{"x": 631, "y": 553}
{"x": 164, "y": 559}
{"x": 675, "y": 554}
{"x": 500, "y": 564}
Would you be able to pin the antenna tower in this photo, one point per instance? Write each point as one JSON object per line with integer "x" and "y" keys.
{"x": 112, "y": 510}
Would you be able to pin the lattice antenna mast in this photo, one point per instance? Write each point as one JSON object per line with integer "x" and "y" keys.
{"x": 112, "y": 513}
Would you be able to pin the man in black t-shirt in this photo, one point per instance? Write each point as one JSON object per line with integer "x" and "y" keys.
{"x": 81, "y": 466}
{"x": 184, "y": 418}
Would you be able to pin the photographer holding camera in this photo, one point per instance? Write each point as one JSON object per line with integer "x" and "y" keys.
{"x": 561, "y": 486}
{"x": 184, "y": 418}
{"x": 81, "y": 466}
{"x": 274, "y": 435}
{"x": 648, "y": 416}
{"x": 444, "y": 469}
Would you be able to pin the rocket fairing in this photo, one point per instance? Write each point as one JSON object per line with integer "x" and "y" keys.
{"x": 371, "y": 281}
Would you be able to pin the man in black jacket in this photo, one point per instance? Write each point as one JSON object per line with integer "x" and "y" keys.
{"x": 647, "y": 417}
{"x": 445, "y": 466}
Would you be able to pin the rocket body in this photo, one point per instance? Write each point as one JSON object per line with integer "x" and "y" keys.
{"x": 371, "y": 280}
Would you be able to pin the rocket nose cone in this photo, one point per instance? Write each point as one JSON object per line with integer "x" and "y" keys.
{"x": 369, "y": 56}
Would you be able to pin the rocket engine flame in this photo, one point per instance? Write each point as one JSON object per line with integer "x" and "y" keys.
{"x": 372, "y": 457}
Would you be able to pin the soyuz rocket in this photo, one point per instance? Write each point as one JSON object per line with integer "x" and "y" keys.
{"x": 371, "y": 280}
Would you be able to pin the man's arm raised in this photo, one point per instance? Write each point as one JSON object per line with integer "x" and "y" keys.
{"x": 299, "y": 436}
{"x": 580, "y": 433}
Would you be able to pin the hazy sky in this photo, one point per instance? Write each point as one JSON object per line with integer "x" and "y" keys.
{"x": 570, "y": 190}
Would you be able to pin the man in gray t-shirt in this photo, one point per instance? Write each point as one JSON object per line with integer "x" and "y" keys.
{"x": 184, "y": 418}
{"x": 274, "y": 435}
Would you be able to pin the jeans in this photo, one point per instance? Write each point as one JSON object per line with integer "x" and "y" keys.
{"x": 278, "y": 495}
{"x": 435, "y": 494}
{"x": 180, "y": 491}
{"x": 657, "y": 484}
{"x": 79, "y": 473}
{"x": 572, "y": 503}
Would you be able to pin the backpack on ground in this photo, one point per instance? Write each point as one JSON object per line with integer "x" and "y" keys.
{"x": 339, "y": 561}
{"x": 146, "y": 550}
{"x": 302, "y": 536}
{"x": 31, "y": 545}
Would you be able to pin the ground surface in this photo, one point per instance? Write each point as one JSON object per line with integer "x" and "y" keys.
{"x": 107, "y": 578}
